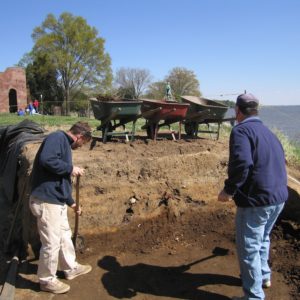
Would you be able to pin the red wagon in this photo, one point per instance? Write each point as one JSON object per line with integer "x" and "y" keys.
{"x": 169, "y": 112}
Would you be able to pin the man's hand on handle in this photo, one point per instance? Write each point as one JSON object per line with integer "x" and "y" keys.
{"x": 77, "y": 171}
{"x": 77, "y": 211}
{"x": 224, "y": 197}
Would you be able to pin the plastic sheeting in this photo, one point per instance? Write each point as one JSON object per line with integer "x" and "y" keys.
{"x": 12, "y": 140}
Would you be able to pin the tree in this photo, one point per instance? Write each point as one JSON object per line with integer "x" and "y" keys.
{"x": 132, "y": 82}
{"x": 75, "y": 52}
{"x": 156, "y": 90}
{"x": 183, "y": 82}
{"x": 42, "y": 79}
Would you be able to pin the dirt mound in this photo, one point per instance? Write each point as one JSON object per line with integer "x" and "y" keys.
{"x": 156, "y": 202}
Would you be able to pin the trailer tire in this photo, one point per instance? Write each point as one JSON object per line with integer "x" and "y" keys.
{"x": 190, "y": 128}
{"x": 109, "y": 128}
{"x": 151, "y": 131}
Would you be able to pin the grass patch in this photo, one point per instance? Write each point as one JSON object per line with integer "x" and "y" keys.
{"x": 66, "y": 121}
{"x": 291, "y": 149}
{"x": 45, "y": 120}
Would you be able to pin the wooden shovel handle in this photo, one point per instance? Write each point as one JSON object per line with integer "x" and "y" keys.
{"x": 77, "y": 207}
{"x": 77, "y": 191}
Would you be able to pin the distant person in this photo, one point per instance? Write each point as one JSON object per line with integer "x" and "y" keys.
{"x": 21, "y": 112}
{"x": 36, "y": 105}
{"x": 257, "y": 182}
{"x": 30, "y": 109}
{"x": 51, "y": 193}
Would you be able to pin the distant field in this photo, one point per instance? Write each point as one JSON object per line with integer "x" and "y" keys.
{"x": 56, "y": 121}
{"x": 10, "y": 119}
{"x": 280, "y": 118}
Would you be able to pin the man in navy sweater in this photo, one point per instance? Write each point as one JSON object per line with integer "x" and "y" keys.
{"x": 257, "y": 182}
{"x": 51, "y": 193}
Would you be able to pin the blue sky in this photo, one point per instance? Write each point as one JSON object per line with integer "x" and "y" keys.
{"x": 231, "y": 45}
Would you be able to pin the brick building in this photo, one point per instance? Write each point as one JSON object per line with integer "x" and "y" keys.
{"x": 13, "y": 92}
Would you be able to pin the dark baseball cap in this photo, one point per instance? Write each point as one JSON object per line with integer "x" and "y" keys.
{"x": 247, "y": 100}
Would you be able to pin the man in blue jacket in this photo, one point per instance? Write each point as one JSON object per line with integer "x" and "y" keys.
{"x": 257, "y": 182}
{"x": 51, "y": 193}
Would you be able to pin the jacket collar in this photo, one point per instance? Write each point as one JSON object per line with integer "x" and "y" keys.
{"x": 70, "y": 140}
{"x": 251, "y": 119}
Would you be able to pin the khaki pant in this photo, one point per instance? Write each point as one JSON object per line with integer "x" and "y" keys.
{"x": 55, "y": 234}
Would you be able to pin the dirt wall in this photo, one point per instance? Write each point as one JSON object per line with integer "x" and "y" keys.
{"x": 152, "y": 194}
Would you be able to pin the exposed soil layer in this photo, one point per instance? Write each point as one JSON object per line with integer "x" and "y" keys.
{"x": 153, "y": 228}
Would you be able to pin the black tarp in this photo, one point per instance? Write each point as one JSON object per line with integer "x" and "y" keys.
{"x": 12, "y": 140}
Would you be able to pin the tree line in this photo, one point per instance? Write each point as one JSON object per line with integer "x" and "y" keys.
{"x": 68, "y": 62}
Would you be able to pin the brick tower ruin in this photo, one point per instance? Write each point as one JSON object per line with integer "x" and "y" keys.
{"x": 13, "y": 92}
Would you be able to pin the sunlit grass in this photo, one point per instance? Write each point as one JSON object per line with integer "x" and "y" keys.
{"x": 45, "y": 120}
{"x": 291, "y": 149}
{"x": 64, "y": 122}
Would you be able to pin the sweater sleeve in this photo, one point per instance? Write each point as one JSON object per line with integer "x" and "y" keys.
{"x": 240, "y": 160}
{"x": 51, "y": 156}
{"x": 70, "y": 202}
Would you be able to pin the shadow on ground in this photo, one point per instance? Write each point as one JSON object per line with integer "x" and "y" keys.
{"x": 126, "y": 281}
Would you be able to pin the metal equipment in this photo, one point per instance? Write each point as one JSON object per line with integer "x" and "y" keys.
{"x": 113, "y": 114}
{"x": 169, "y": 112}
{"x": 203, "y": 111}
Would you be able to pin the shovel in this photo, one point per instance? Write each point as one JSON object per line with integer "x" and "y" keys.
{"x": 78, "y": 241}
{"x": 217, "y": 251}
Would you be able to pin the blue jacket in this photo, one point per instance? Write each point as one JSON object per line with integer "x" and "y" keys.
{"x": 256, "y": 172}
{"x": 51, "y": 174}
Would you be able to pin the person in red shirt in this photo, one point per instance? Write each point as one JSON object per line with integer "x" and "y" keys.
{"x": 36, "y": 105}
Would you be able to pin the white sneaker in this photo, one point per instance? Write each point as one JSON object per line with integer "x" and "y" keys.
{"x": 77, "y": 271}
{"x": 55, "y": 286}
{"x": 266, "y": 284}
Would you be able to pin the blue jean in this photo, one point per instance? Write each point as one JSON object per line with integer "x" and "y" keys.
{"x": 253, "y": 228}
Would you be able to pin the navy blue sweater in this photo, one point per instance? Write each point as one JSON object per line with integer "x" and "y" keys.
{"x": 256, "y": 172}
{"x": 51, "y": 174}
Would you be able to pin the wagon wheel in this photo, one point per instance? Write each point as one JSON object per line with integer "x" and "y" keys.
{"x": 151, "y": 131}
{"x": 191, "y": 128}
{"x": 105, "y": 129}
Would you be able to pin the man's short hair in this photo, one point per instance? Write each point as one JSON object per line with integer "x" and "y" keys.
{"x": 82, "y": 128}
{"x": 248, "y": 104}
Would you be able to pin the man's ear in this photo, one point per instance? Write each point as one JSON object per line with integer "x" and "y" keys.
{"x": 239, "y": 114}
{"x": 237, "y": 110}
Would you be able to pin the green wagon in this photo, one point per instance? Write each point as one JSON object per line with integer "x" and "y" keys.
{"x": 113, "y": 114}
{"x": 203, "y": 111}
